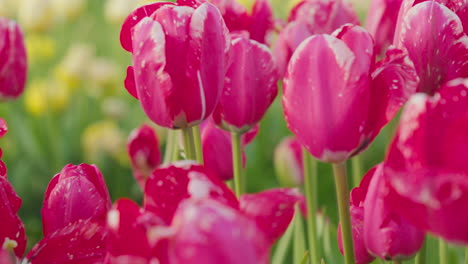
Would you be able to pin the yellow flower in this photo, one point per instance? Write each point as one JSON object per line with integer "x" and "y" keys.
{"x": 69, "y": 9}
{"x": 105, "y": 77}
{"x": 117, "y": 10}
{"x": 74, "y": 67}
{"x": 104, "y": 137}
{"x": 43, "y": 96}
{"x": 40, "y": 47}
{"x": 8, "y": 8}
{"x": 35, "y": 15}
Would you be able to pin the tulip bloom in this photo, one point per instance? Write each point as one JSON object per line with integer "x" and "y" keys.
{"x": 336, "y": 99}
{"x": 77, "y": 192}
{"x": 288, "y": 162}
{"x": 179, "y": 64}
{"x": 386, "y": 234}
{"x": 438, "y": 48}
{"x": 358, "y": 195}
{"x": 217, "y": 149}
{"x": 143, "y": 149}
{"x": 307, "y": 18}
{"x": 13, "y": 62}
{"x": 426, "y": 166}
{"x": 381, "y": 22}
{"x": 250, "y": 86}
{"x": 12, "y": 235}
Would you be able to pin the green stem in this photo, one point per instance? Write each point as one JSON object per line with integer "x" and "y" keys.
{"x": 357, "y": 170}
{"x": 342, "y": 195}
{"x": 299, "y": 241}
{"x": 466, "y": 256}
{"x": 421, "y": 256}
{"x": 198, "y": 144}
{"x": 239, "y": 181}
{"x": 310, "y": 188}
{"x": 169, "y": 151}
{"x": 280, "y": 254}
{"x": 175, "y": 150}
{"x": 443, "y": 252}
{"x": 188, "y": 143}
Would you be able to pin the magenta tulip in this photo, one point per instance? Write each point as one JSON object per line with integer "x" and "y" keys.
{"x": 386, "y": 234}
{"x": 168, "y": 186}
{"x": 143, "y": 149}
{"x": 358, "y": 195}
{"x": 307, "y": 18}
{"x": 336, "y": 99}
{"x": 178, "y": 64}
{"x": 381, "y": 22}
{"x": 250, "y": 86}
{"x": 78, "y": 192}
{"x": 435, "y": 40}
{"x": 217, "y": 149}
{"x": 209, "y": 232}
{"x": 13, "y": 62}
{"x": 288, "y": 162}
{"x": 12, "y": 235}
{"x": 426, "y": 166}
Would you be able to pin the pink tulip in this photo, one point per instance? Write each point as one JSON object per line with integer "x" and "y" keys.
{"x": 80, "y": 242}
{"x": 209, "y": 232}
{"x": 78, "y": 192}
{"x": 336, "y": 99}
{"x": 288, "y": 162}
{"x": 217, "y": 149}
{"x": 426, "y": 166}
{"x": 381, "y": 22}
{"x": 272, "y": 210}
{"x": 143, "y": 149}
{"x": 179, "y": 64}
{"x": 358, "y": 195}
{"x": 386, "y": 234}
{"x": 168, "y": 186}
{"x": 250, "y": 86}
{"x": 12, "y": 233}
{"x": 307, "y": 18}
{"x": 439, "y": 45}
{"x": 13, "y": 62}
{"x": 5, "y": 257}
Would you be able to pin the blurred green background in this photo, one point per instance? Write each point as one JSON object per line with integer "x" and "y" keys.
{"x": 76, "y": 110}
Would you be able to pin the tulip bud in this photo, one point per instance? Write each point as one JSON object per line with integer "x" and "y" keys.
{"x": 319, "y": 109}
{"x": 143, "y": 149}
{"x": 288, "y": 162}
{"x": 386, "y": 234}
{"x": 187, "y": 56}
{"x": 426, "y": 166}
{"x": 250, "y": 86}
{"x": 78, "y": 192}
{"x": 12, "y": 235}
{"x": 217, "y": 149}
{"x": 13, "y": 65}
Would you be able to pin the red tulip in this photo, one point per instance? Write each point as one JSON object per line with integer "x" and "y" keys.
{"x": 217, "y": 149}
{"x": 13, "y": 62}
{"x": 381, "y": 22}
{"x": 307, "y": 18}
{"x": 426, "y": 166}
{"x": 80, "y": 242}
{"x": 386, "y": 234}
{"x": 209, "y": 232}
{"x": 12, "y": 235}
{"x": 168, "y": 186}
{"x": 272, "y": 210}
{"x": 288, "y": 162}
{"x": 438, "y": 46}
{"x": 143, "y": 149}
{"x": 179, "y": 64}
{"x": 78, "y": 192}
{"x": 358, "y": 195}
{"x": 250, "y": 86}
{"x": 336, "y": 99}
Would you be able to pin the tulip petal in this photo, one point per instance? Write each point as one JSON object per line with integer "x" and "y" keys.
{"x": 168, "y": 186}
{"x": 272, "y": 210}
{"x": 439, "y": 50}
{"x": 81, "y": 242}
{"x": 426, "y": 174}
{"x": 325, "y": 93}
{"x": 129, "y": 82}
{"x": 261, "y": 21}
{"x": 208, "y": 232}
